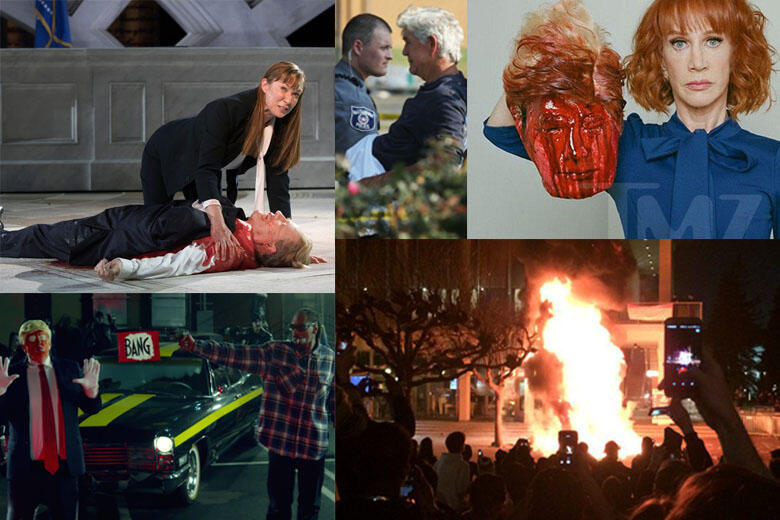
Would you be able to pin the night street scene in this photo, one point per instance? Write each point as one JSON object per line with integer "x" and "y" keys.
{"x": 544, "y": 379}
{"x": 197, "y": 394}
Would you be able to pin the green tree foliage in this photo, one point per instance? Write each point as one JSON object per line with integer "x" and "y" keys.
{"x": 427, "y": 200}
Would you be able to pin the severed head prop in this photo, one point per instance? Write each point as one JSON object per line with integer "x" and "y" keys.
{"x": 564, "y": 90}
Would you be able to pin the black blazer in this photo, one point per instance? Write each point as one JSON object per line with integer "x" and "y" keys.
{"x": 133, "y": 230}
{"x": 15, "y": 409}
{"x": 197, "y": 148}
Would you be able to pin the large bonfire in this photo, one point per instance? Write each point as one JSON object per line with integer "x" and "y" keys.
{"x": 577, "y": 376}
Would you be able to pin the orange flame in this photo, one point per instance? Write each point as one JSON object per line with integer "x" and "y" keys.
{"x": 592, "y": 371}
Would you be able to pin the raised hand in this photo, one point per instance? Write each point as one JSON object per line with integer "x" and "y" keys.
{"x": 5, "y": 379}
{"x": 680, "y": 416}
{"x": 90, "y": 381}
{"x": 186, "y": 342}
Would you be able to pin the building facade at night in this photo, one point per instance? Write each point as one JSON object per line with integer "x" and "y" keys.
{"x": 494, "y": 270}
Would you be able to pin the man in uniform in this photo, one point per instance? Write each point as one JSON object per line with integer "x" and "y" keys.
{"x": 432, "y": 41}
{"x": 366, "y": 48}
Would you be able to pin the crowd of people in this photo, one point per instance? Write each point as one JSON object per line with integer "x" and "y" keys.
{"x": 383, "y": 472}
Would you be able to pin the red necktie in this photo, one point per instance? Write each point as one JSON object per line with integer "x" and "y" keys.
{"x": 50, "y": 461}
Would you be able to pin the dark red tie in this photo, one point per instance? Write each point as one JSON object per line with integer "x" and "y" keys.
{"x": 50, "y": 461}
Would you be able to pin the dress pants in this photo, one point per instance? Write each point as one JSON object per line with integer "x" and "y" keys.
{"x": 278, "y": 189}
{"x": 45, "y": 240}
{"x": 123, "y": 231}
{"x": 281, "y": 481}
{"x": 58, "y": 492}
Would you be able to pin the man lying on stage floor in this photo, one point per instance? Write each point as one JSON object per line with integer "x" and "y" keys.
{"x": 158, "y": 241}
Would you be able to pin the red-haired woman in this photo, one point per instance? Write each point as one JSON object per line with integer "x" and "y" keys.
{"x": 699, "y": 175}
{"x": 260, "y": 127}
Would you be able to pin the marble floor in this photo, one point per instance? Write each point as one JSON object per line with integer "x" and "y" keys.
{"x": 312, "y": 210}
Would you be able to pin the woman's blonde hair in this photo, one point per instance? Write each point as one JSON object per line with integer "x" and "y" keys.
{"x": 284, "y": 152}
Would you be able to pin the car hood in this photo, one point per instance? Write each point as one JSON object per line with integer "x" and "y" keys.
{"x": 138, "y": 418}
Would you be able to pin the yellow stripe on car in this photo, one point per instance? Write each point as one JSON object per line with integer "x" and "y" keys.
{"x": 111, "y": 412}
{"x": 167, "y": 349}
{"x": 211, "y": 418}
{"x": 108, "y": 397}
{"x": 104, "y": 398}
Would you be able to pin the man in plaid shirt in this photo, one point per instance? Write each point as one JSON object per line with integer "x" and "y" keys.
{"x": 297, "y": 403}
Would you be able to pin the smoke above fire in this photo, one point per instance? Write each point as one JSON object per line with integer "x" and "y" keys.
{"x": 576, "y": 375}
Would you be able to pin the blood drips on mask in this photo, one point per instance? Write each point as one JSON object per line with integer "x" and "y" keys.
{"x": 573, "y": 144}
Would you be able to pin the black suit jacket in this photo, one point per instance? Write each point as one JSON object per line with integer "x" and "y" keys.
{"x": 133, "y": 230}
{"x": 15, "y": 408}
{"x": 197, "y": 148}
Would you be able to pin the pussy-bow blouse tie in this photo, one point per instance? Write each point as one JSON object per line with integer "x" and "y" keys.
{"x": 693, "y": 197}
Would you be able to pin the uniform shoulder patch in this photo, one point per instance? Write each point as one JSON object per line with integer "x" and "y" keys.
{"x": 363, "y": 119}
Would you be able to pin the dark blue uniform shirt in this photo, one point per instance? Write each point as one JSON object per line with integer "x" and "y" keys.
{"x": 438, "y": 109}
{"x": 355, "y": 111}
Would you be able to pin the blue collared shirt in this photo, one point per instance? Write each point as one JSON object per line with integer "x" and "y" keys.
{"x": 674, "y": 183}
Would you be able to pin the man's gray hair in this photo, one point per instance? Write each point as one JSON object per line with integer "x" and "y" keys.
{"x": 424, "y": 22}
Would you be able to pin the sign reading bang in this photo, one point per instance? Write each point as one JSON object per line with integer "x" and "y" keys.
{"x": 138, "y": 346}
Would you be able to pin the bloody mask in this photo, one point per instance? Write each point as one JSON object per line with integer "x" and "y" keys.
{"x": 304, "y": 332}
{"x": 573, "y": 144}
{"x": 36, "y": 345}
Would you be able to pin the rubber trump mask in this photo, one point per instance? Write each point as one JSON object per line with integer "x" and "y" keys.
{"x": 572, "y": 143}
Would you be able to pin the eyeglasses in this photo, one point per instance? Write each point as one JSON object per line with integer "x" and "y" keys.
{"x": 300, "y": 327}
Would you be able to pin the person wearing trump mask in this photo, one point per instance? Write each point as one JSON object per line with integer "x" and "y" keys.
{"x": 39, "y": 399}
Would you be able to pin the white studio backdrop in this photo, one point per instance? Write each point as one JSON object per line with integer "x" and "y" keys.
{"x": 505, "y": 194}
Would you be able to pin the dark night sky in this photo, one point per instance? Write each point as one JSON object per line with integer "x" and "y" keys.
{"x": 698, "y": 264}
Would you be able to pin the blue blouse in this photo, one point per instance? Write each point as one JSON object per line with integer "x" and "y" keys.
{"x": 662, "y": 189}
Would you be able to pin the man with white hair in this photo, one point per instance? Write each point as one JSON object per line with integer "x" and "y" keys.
{"x": 432, "y": 41}
{"x": 156, "y": 241}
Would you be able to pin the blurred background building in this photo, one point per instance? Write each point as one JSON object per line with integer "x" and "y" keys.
{"x": 639, "y": 273}
{"x": 219, "y": 316}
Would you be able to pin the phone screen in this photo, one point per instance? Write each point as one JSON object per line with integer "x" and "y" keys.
{"x": 567, "y": 441}
{"x": 661, "y": 410}
{"x": 682, "y": 351}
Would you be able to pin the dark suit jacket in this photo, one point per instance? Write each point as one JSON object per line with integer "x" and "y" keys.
{"x": 197, "y": 148}
{"x": 133, "y": 230}
{"x": 15, "y": 408}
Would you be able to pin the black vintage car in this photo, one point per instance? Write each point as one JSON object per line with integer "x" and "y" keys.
{"x": 164, "y": 421}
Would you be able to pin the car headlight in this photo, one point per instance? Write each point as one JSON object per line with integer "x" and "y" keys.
{"x": 163, "y": 445}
